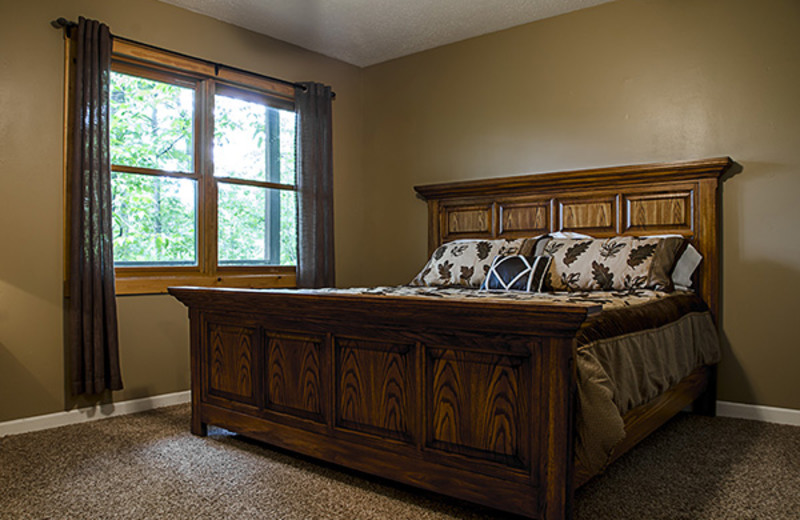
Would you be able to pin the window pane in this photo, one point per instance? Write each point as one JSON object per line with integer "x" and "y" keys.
{"x": 154, "y": 220}
{"x": 151, "y": 123}
{"x": 257, "y": 226}
{"x": 288, "y": 228}
{"x": 253, "y": 141}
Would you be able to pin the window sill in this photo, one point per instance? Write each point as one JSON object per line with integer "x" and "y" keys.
{"x": 129, "y": 285}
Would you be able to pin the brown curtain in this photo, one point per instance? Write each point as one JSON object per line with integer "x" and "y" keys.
{"x": 92, "y": 303}
{"x": 315, "y": 186}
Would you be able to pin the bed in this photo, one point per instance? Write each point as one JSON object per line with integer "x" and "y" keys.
{"x": 474, "y": 398}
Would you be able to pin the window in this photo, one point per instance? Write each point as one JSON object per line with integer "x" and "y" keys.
{"x": 203, "y": 174}
{"x": 154, "y": 183}
{"x": 254, "y": 165}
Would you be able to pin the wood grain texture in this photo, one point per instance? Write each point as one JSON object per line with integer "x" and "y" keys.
{"x": 594, "y": 178}
{"x": 659, "y": 212}
{"x": 198, "y": 370}
{"x": 389, "y": 461}
{"x": 528, "y": 218}
{"x": 293, "y": 375}
{"x": 558, "y": 438}
{"x": 467, "y": 219}
{"x": 231, "y": 361}
{"x": 374, "y": 382}
{"x": 476, "y": 405}
{"x": 596, "y": 214}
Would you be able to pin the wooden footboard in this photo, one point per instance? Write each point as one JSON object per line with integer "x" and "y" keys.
{"x": 478, "y": 406}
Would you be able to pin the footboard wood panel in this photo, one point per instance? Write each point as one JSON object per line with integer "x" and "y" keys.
{"x": 474, "y": 402}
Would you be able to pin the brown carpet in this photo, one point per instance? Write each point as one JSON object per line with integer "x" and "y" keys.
{"x": 148, "y": 466}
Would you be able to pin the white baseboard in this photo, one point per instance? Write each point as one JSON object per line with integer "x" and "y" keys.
{"x": 769, "y": 414}
{"x": 103, "y": 411}
{"x": 91, "y": 413}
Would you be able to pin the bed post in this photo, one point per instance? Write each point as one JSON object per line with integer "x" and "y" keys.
{"x": 557, "y": 474}
{"x": 433, "y": 226}
{"x": 709, "y": 242}
{"x": 198, "y": 427}
{"x": 706, "y": 402}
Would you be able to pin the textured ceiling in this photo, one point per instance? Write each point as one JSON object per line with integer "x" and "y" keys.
{"x": 365, "y": 32}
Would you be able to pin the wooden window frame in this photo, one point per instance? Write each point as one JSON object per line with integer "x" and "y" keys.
{"x": 204, "y": 77}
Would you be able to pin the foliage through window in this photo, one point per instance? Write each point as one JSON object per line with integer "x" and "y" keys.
{"x": 151, "y": 133}
{"x": 203, "y": 174}
{"x": 254, "y": 163}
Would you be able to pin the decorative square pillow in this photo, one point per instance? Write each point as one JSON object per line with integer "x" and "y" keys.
{"x": 464, "y": 262}
{"x": 681, "y": 260}
{"x": 665, "y": 259}
{"x": 605, "y": 264}
{"x": 517, "y": 273}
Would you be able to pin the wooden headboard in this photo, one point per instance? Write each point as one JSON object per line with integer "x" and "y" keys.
{"x": 638, "y": 200}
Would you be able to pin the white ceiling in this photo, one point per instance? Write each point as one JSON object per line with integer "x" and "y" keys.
{"x": 366, "y": 32}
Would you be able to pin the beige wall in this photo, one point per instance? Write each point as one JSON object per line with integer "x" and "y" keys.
{"x": 153, "y": 329}
{"x": 626, "y": 82}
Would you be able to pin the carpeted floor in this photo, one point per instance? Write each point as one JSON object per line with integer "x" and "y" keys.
{"x": 148, "y": 466}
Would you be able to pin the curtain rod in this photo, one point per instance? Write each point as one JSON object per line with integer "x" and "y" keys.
{"x": 67, "y": 25}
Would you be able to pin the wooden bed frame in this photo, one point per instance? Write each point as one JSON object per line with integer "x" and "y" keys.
{"x": 474, "y": 400}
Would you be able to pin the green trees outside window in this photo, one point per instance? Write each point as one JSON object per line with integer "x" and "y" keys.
{"x": 158, "y": 179}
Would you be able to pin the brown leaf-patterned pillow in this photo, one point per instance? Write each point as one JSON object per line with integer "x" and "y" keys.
{"x": 464, "y": 262}
{"x": 610, "y": 264}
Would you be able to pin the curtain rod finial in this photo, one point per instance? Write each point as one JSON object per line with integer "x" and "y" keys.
{"x": 61, "y": 23}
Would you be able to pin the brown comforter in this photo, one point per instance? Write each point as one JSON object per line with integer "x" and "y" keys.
{"x": 629, "y": 356}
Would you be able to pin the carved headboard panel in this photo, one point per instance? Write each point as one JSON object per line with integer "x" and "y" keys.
{"x": 638, "y": 200}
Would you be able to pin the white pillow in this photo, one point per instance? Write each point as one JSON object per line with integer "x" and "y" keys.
{"x": 567, "y": 234}
{"x": 685, "y": 267}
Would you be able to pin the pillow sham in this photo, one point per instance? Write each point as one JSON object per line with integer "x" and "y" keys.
{"x": 685, "y": 266}
{"x": 464, "y": 262}
{"x": 687, "y": 260}
{"x": 517, "y": 273}
{"x": 617, "y": 263}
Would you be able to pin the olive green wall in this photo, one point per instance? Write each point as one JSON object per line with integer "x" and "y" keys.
{"x": 153, "y": 329}
{"x": 625, "y": 82}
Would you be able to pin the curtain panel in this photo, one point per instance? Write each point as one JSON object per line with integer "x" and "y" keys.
{"x": 93, "y": 341}
{"x": 315, "y": 263}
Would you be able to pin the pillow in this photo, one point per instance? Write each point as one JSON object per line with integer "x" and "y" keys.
{"x": 617, "y": 263}
{"x": 567, "y": 234}
{"x": 517, "y": 273}
{"x": 685, "y": 266}
{"x": 665, "y": 258}
{"x": 686, "y": 263}
{"x": 532, "y": 247}
{"x": 464, "y": 262}
{"x": 535, "y": 246}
